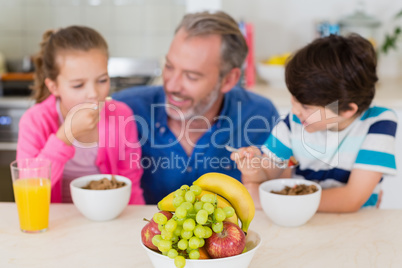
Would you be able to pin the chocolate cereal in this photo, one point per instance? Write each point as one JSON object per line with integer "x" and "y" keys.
{"x": 104, "y": 184}
{"x": 299, "y": 189}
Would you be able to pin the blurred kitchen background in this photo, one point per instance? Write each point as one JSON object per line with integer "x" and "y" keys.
{"x": 139, "y": 33}
{"x": 144, "y": 28}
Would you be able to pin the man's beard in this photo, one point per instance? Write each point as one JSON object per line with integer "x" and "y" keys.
{"x": 196, "y": 111}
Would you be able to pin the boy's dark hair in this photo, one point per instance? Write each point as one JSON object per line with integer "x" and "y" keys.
{"x": 334, "y": 68}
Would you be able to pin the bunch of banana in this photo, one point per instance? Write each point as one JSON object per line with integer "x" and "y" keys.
{"x": 232, "y": 190}
{"x": 229, "y": 192}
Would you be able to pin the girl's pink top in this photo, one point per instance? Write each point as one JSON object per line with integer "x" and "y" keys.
{"x": 119, "y": 150}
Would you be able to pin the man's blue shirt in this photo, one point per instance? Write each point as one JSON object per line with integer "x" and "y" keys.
{"x": 245, "y": 119}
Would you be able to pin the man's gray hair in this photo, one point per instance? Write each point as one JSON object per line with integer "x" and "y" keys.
{"x": 234, "y": 47}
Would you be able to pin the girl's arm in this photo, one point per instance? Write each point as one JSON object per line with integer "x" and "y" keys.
{"x": 37, "y": 141}
{"x": 352, "y": 196}
{"x": 131, "y": 167}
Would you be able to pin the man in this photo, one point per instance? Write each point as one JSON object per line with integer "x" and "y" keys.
{"x": 185, "y": 124}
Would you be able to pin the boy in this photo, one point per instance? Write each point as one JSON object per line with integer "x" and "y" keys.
{"x": 339, "y": 139}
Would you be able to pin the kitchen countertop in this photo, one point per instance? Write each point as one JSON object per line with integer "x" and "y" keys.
{"x": 368, "y": 238}
{"x": 388, "y": 93}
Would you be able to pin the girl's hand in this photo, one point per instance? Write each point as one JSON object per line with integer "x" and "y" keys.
{"x": 80, "y": 122}
{"x": 248, "y": 161}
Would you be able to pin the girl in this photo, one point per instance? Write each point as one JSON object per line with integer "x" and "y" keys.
{"x": 71, "y": 124}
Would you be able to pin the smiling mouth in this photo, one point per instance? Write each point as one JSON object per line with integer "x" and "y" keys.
{"x": 175, "y": 98}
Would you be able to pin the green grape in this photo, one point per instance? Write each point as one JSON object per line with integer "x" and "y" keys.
{"x": 196, "y": 189}
{"x": 219, "y": 215}
{"x": 209, "y": 208}
{"x": 177, "y": 231}
{"x": 159, "y": 218}
{"x": 189, "y": 225}
{"x": 194, "y": 254}
{"x": 177, "y": 201}
{"x": 185, "y": 187}
{"x": 179, "y": 192}
{"x": 170, "y": 225}
{"x": 180, "y": 262}
{"x": 188, "y": 206}
{"x": 181, "y": 220}
{"x": 174, "y": 239}
{"x": 208, "y": 232}
{"x": 165, "y": 245}
{"x": 181, "y": 212}
{"x": 208, "y": 198}
{"x": 229, "y": 211}
{"x": 199, "y": 231}
{"x": 160, "y": 227}
{"x": 202, "y": 216}
{"x": 198, "y": 206}
{"x": 189, "y": 197}
{"x": 172, "y": 253}
{"x": 186, "y": 234}
{"x": 194, "y": 242}
{"x": 166, "y": 235}
{"x": 156, "y": 239}
{"x": 182, "y": 244}
{"x": 217, "y": 227}
{"x": 202, "y": 242}
{"x": 164, "y": 253}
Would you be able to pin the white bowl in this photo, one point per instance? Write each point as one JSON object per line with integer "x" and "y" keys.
{"x": 273, "y": 74}
{"x": 288, "y": 210}
{"x": 253, "y": 242}
{"x": 100, "y": 205}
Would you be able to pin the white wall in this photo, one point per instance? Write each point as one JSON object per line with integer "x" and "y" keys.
{"x": 144, "y": 28}
{"x": 286, "y": 25}
{"x": 136, "y": 28}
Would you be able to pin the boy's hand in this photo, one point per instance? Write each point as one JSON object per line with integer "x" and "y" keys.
{"x": 248, "y": 161}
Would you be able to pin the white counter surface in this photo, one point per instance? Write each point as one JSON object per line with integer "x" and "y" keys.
{"x": 369, "y": 238}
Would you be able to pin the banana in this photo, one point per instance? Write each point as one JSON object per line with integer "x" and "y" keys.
{"x": 166, "y": 204}
{"x": 222, "y": 203}
{"x": 234, "y": 191}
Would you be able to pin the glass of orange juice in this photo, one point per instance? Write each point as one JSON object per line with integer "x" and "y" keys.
{"x": 31, "y": 184}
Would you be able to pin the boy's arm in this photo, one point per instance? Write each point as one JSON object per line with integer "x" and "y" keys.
{"x": 352, "y": 196}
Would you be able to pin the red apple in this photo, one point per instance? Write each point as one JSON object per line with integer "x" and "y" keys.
{"x": 230, "y": 242}
{"x": 151, "y": 229}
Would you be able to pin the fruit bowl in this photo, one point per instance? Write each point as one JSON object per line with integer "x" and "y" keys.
{"x": 100, "y": 205}
{"x": 288, "y": 210}
{"x": 253, "y": 242}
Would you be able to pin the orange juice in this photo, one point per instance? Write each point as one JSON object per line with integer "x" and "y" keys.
{"x": 33, "y": 198}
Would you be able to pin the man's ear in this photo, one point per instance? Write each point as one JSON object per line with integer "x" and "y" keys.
{"x": 52, "y": 86}
{"x": 351, "y": 112}
{"x": 230, "y": 80}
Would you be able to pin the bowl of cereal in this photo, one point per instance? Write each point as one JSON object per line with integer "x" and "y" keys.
{"x": 101, "y": 197}
{"x": 290, "y": 202}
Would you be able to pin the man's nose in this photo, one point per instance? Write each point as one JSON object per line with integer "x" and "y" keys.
{"x": 173, "y": 83}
